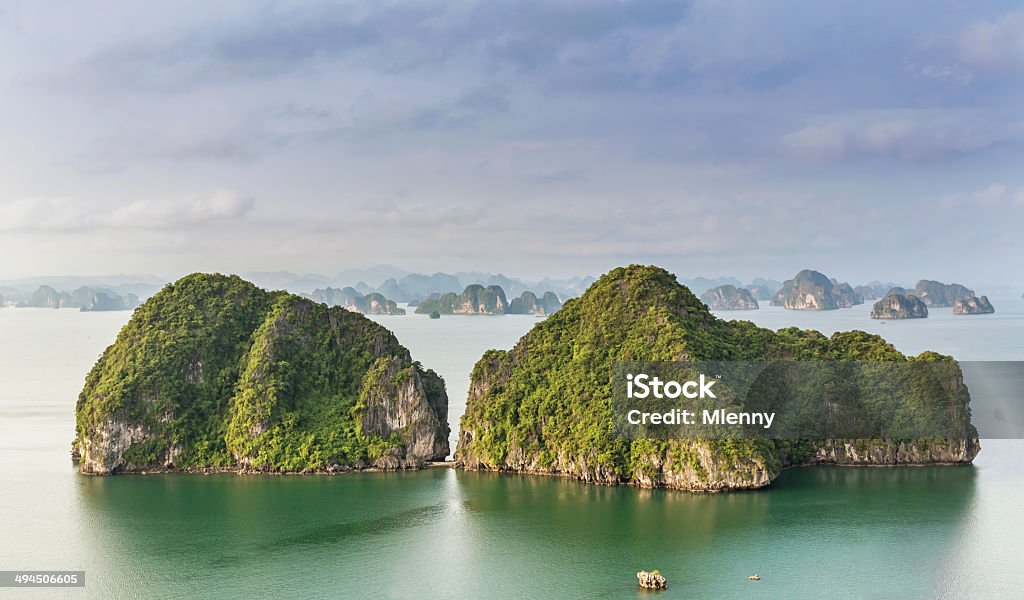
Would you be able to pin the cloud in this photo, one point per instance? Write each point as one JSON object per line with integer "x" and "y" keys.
{"x": 993, "y": 45}
{"x": 915, "y": 135}
{"x": 63, "y": 214}
{"x": 995, "y": 197}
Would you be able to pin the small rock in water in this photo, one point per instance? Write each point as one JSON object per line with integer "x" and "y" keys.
{"x": 651, "y": 580}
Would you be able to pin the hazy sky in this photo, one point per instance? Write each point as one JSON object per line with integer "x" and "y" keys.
{"x": 866, "y": 139}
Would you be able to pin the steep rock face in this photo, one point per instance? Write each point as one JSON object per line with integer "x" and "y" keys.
{"x": 529, "y": 304}
{"x": 899, "y": 306}
{"x": 729, "y": 297}
{"x": 972, "y": 305}
{"x": 809, "y": 290}
{"x": 545, "y": 406}
{"x": 937, "y": 294}
{"x": 213, "y": 372}
{"x": 474, "y": 300}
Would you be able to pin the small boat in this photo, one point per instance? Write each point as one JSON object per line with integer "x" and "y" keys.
{"x": 755, "y": 577}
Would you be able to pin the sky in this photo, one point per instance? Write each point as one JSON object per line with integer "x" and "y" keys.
{"x": 867, "y": 140}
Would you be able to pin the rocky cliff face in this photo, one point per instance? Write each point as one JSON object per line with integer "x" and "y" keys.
{"x": 937, "y": 294}
{"x": 729, "y": 297}
{"x": 893, "y": 453}
{"x": 214, "y": 373}
{"x": 545, "y": 406}
{"x": 899, "y": 306}
{"x": 972, "y": 305}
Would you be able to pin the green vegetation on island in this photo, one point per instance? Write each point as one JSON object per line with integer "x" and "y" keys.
{"x": 213, "y": 372}
{"x": 545, "y": 405}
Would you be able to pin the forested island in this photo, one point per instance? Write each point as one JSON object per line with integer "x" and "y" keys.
{"x": 544, "y": 406}
{"x": 215, "y": 373}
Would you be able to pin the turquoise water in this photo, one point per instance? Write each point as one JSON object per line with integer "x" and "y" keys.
{"x": 841, "y": 533}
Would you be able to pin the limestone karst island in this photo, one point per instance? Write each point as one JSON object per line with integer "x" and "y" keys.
{"x": 215, "y": 373}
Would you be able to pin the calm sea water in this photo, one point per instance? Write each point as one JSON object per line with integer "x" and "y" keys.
{"x": 841, "y": 533}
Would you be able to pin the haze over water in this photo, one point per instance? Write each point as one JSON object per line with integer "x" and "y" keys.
{"x": 926, "y": 532}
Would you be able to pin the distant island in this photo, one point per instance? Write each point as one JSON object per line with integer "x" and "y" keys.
{"x": 544, "y": 406}
{"x": 214, "y": 373}
{"x": 729, "y": 297}
{"x": 83, "y": 298}
{"x": 811, "y": 290}
{"x": 370, "y": 304}
{"x": 899, "y": 306}
{"x": 476, "y": 299}
{"x": 972, "y": 305}
{"x": 529, "y": 304}
{"x": 937, "y": 294}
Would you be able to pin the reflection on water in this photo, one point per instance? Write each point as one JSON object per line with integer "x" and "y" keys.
{"x": 441, "y": 532}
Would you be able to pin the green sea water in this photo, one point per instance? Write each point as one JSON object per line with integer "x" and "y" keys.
{"x": 927, "y": 532}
